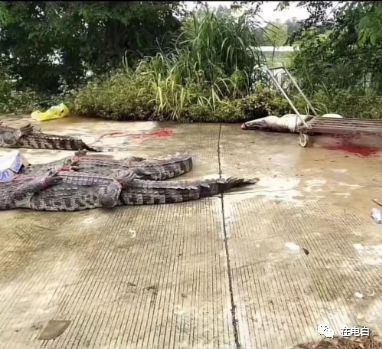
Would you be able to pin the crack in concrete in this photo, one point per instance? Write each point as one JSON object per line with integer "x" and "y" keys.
{"x": 229, "y": 273}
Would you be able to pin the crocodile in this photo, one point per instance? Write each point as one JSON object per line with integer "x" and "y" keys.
{"x": 82, "y": 182}
{"x": 156, "y": 169}
{"x": 287, "y": 123}
{"x": 27, "y": 137}
{"x": 19, "y": 192}
{"x": 71, "y": 191}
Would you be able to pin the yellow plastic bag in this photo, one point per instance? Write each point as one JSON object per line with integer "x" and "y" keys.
{"x": 55, "y": 112}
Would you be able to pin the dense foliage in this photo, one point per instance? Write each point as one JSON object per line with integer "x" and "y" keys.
{"x": 50, "y": 45}
{"x": 349, "y": 55}
{"x": 213, "y": 61}
{"x": 151, "y": 60}
{"x": 340, "y": 58}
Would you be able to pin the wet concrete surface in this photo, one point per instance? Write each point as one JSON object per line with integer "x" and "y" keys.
{"x": 259, "y": 268}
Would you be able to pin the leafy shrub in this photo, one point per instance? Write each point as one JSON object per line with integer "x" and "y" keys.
{"x": 355, "y": 104}
{"x": 12, "y": 100}
{"x": 203, "y": 78}
{"x": 117, "y": 98}
{"x": 135, "y": 97}
{"x": 338, "y": 66}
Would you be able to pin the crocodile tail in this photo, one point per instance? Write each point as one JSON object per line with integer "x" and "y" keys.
{"x": 84, "y": 146}
{"x": 71, "y": 143}
{"x": 44, "y": 141}
{"x": 143, "y": 192}
{"x": 162, "y": 169}
{"x": 218, "y": 186}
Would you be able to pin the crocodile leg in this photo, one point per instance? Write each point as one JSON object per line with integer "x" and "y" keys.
{"x": 109, "y": 195}
{"x": 22, "y": 195}
{"x": 78, "y": 191}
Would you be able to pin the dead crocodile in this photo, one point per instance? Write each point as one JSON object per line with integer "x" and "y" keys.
{"x": 27, "y": 137}
{"x": 155, "y": 169}
{"x": 286, "y": 123}
{"x": 70, "y": 191}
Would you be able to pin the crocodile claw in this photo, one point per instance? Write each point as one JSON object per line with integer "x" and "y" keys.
{"x": 126, "y": 177}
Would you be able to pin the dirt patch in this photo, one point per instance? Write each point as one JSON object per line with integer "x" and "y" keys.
{"x": 343, "y": 343}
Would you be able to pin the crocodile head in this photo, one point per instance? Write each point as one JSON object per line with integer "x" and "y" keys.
{"x": 267, "y": 123}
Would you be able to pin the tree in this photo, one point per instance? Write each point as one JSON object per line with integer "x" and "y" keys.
{"x": 45, "y": 44}
{"x": 292, "y": 25}
{"x": 346, "y": 54}
{"x": 276, "y": 34}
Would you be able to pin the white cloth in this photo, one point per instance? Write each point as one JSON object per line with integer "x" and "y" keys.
{"x": 10, "y": 165}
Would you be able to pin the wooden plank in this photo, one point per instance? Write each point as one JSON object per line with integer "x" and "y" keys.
{"x": 342, "y": 129}
{"x": 334, "y": 120}
{"x": 347, "y": 120}
{"x": 356, "y": 123}
{"x": 354, "y": 128}
{"x": 346, "y": 124}
{"x": 342, "y": 126}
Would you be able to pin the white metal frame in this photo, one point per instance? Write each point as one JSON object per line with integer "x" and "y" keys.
{"x": 294, "y": 82}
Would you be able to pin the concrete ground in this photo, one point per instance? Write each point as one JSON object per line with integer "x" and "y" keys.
{"x": 259, "y": 268}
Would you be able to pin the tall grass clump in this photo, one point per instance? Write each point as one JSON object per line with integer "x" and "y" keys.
{"x": 211, "y": 64}
{"x": 221, "y": 47}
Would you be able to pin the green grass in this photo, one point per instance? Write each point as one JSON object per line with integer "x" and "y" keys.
{"x": 212, "y": 63}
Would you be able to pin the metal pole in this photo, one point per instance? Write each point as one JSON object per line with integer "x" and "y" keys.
{"x": 286, "y": 96}
{"x": 299, "y": 90}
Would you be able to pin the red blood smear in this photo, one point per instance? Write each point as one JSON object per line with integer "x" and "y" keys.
{"x": 360, "y": 151}
{"x": 156, "y": 134}
{"x": 162, "y": 133}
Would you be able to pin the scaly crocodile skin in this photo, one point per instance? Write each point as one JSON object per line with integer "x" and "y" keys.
{"x": 140, "y": 192}
{"x": 38, "y": 140}
{"x": 157, "y": 169}
{"x": 19, "y": 192}
{"x": 84, "y": 182}
{"x": 78, "y": 191}
{"x": 26, "y": 137}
